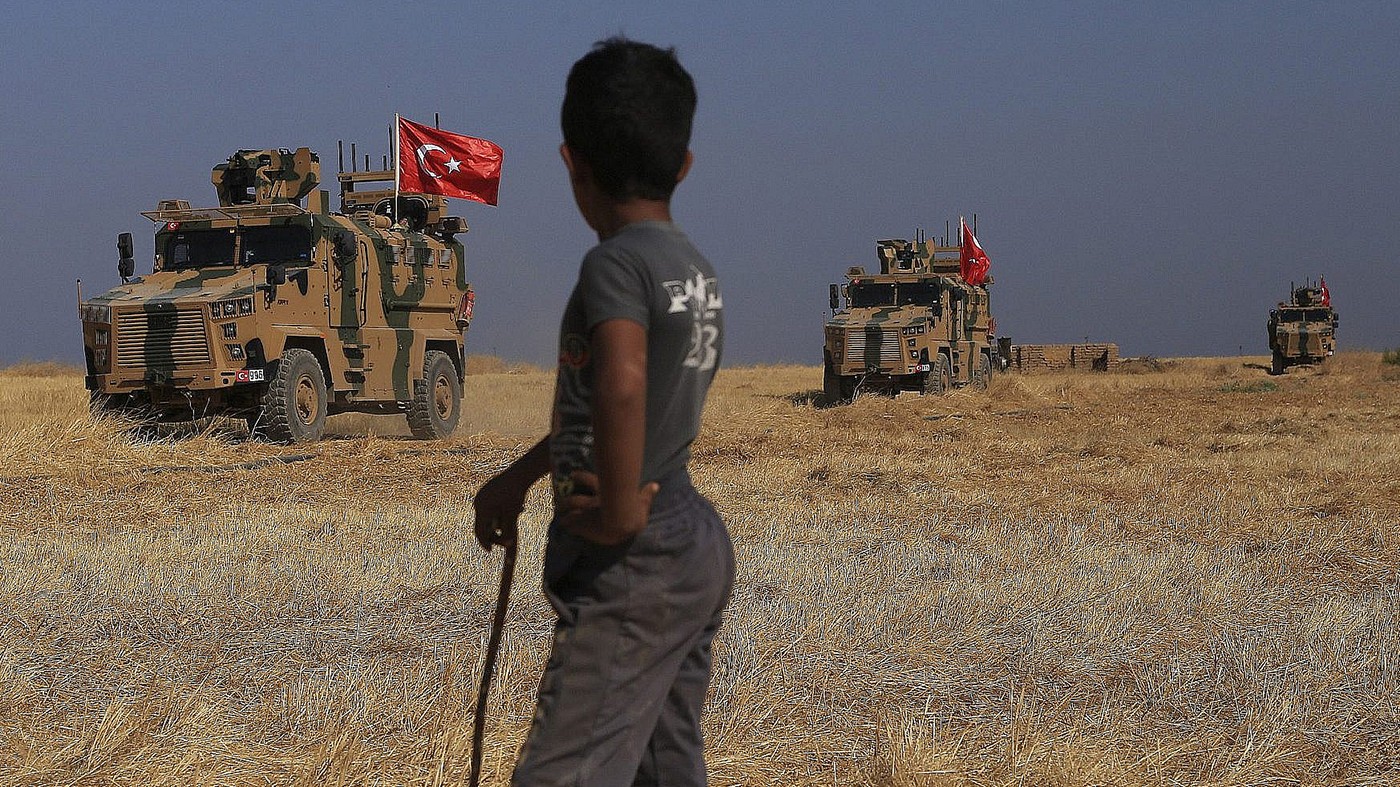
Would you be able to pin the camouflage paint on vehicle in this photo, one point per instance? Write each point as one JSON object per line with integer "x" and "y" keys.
{"x": 368, "y": 291}
{"x": 916, "y": 325}
{"x": 1302, "y": 330}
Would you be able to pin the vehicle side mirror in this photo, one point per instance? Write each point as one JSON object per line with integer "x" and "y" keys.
{"x": 126, "y": 265}
{"x": 835, "y": 293}
{"x": 343, "y": 250}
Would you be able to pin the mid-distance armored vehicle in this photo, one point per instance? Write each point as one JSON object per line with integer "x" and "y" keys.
{"x": 916, "y": 325}
{"x": 279, "y": 313}
{"x": 1302, "y": 330}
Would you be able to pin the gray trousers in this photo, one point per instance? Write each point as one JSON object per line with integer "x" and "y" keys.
{"x": 619, "y": 702}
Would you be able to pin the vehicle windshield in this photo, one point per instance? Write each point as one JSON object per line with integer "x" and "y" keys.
{"x": 869, "y": 294}
{"x": 214, "y": 248}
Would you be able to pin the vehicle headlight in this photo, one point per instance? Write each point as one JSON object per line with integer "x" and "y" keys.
{"x": 232, "y": 307}
{"x": 95, "y": 313}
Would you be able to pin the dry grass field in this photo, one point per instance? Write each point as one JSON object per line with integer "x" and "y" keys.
{"x": 1176, "y": 577}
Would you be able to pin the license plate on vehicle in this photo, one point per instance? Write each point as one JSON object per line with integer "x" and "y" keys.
{"x": 249, "y": 376}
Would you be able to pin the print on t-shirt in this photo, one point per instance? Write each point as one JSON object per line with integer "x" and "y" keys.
{"x": 700, "y": 296}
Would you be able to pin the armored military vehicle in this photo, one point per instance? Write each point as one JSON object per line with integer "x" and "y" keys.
{"x": 282, "y": 313}
{"x": 915, "y": 325}
{"x": 1303, "y": 329}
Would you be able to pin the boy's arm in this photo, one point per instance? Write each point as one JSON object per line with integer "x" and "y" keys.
{"x": 499, "y": 501}
{"x": 621, "y": 505}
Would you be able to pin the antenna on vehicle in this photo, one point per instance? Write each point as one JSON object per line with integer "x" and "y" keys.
{"x": 353, "y": 157}
{"x": 386, "y": 163}
{"x": 436, "y": 124}
{"x": 366, "y": 162}
{"x": 340, "y": 154}
{"x": 947, "y": 230}
{"x": 974, "y": 224}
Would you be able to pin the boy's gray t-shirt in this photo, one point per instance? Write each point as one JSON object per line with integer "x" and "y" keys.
{"x": 651, "y": 274}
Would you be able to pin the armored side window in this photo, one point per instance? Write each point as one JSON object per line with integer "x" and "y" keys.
{"x": 343, "y": 248}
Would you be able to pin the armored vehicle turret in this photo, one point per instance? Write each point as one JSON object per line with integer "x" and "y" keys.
{"x": 1303, "y": 330}
{"x": 916, "y": 325}
{"x": 272, "y": 308}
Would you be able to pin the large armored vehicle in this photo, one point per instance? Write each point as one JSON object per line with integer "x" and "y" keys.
{"x": 279, "y": 313}
{"x": 1304, "y": 329}
{"x": 916, "y": 325}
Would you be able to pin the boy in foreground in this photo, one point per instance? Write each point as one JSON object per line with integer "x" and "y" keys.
{"x": 638, "y": 566}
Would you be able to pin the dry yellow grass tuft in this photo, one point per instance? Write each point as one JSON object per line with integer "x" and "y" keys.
{"x": 40, "y": 369}
{"x": 1185, "y": 575}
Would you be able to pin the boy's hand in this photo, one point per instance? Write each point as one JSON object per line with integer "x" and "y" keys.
{"x": 584, "y": 509}
{"x": 499, "y": 501}
{"x": 498, "y": 505}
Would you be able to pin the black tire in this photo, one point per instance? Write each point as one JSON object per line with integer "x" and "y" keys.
{"x": 982, "y": 372}
{"x": 939, "y": 377}
{"x": 102, "y": 405}
{"x": 437, "y": 398}
{"x": 134, "y": 413}
{"x": 1279, "y": 363}
{"x": 838, "y": 389}
{"x": 294, "y": 404}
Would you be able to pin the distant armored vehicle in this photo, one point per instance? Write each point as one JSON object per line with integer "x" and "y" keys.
{"x": 916, "y": 325}
{"x": 1304, "y": 329}
{"x": 280, "y": 314}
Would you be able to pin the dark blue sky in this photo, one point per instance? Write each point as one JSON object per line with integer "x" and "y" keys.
{"x": 1151, "y": 174}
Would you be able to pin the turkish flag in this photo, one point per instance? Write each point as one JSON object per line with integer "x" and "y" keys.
{"x": 433, "y": 161}
{"x": 973, "y": 263}
{"x": 1326, "y": 293}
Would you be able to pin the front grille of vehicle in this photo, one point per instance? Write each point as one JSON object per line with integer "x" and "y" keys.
{"x": 862, "y": 344}
{"x": 175, "y": 337}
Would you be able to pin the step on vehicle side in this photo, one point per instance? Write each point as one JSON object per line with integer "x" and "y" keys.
{"x": 914, "y": 326}
{"x": 282, "y": 313}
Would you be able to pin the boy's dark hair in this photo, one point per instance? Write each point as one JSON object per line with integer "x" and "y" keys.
{"x": 627, "y": 113}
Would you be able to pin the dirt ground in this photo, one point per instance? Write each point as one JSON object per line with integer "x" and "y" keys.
{"x": 1187, "y": 574}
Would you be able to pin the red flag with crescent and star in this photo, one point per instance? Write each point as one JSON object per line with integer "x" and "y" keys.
{"x": 973, "y": 263}
{"x": 1326, "y": 293}
{"x": 433, "y": 161}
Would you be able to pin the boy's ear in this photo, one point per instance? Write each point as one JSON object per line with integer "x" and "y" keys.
{"x": 685, "y": 167}
{"x": 575, "y": 167}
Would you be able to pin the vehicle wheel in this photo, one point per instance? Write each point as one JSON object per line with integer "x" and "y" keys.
{"x": 1278, "y": 365}
{"x": 838, "y": 389}
{"x": 939, "y": 378}
{"x": 294, "y": 404}
{"x": 437, "y": 399}
{"x": 982, "y": 372}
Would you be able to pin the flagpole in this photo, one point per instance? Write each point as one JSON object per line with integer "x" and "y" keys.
{"x": 396, "y": 166}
